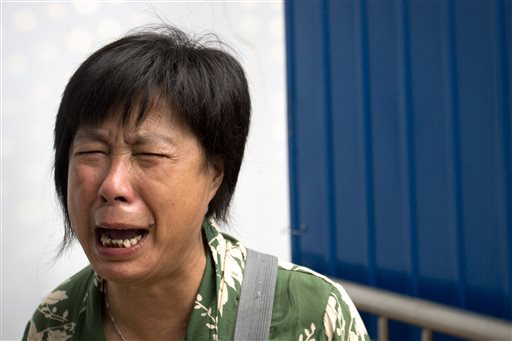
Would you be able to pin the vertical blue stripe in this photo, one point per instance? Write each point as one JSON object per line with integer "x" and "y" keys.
{"x": 292, "y": 148}
{"x": 503, "y": 77}
{"x": 329, "y": 157}
{"x": 368, "y": 141}
{"x": 456, "y": 154}
{"x": 410, "y": 189}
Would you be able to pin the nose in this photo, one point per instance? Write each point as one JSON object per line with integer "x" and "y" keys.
{"x": 116, "y": 186}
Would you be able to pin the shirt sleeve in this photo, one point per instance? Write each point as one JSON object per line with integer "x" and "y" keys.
{"x": 51, "y": 320}
{"x": 341, "y": 318}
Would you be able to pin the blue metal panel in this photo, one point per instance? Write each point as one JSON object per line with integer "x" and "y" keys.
{"x": 352, "y": 252}
{"x": 479, "y": 135}
{"x": 504, "y": 72}
{"x": 386, "y": 135}
{"x": 311, "y": 218}
{"x": 400, "y": 147}
{"x": 435, "y": 123}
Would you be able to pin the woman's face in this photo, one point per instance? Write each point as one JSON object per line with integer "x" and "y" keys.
{"x": 137, "y": 197}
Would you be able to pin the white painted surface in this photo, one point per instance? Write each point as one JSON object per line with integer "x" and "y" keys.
{"x": 42, "y": 45}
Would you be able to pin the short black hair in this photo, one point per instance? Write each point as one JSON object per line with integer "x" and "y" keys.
{"x": 204, "y": 86}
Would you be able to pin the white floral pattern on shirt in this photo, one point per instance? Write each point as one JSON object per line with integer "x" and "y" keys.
{"x": 332, "y": 316}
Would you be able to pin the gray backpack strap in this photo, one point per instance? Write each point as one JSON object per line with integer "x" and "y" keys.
{"x": 256, "y": 298}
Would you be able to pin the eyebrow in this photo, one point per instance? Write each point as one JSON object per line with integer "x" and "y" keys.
{"x": 153, "y": 137}
{"x": 91, "y": 134}
{"x": 137, "y": 138}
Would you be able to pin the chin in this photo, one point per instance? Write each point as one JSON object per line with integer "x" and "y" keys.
{"x": 119, "y": 273}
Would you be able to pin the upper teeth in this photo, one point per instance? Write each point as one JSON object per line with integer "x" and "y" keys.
{"x": 107, "y": 241}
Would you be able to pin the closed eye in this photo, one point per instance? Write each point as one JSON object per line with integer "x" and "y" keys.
{"x": 90, "y": 152}
{"x": 150, "y": 155}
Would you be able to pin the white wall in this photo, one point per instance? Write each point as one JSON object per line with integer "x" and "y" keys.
{"x": 42, "y": 44}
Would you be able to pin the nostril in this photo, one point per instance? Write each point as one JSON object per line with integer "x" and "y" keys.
{"x": 121, "y": 199}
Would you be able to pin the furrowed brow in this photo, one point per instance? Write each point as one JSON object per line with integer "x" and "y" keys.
{"x": 152, "y": 138}
{"x": 91, "y": 135}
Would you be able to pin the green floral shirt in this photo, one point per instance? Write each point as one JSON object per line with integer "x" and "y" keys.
{"x": 307, "y": 306}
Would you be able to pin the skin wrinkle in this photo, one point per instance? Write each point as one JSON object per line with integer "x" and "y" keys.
{"x": 171, "y": 191}
{"x": 141, "y": 144}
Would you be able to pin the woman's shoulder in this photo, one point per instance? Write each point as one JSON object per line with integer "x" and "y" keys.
{"x": 313, "y": 306}
{"x": 72, "y": 292}
{"x": 57, "y": 314}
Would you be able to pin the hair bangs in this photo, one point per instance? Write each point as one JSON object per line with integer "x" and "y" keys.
{"x": 125, "y": 89}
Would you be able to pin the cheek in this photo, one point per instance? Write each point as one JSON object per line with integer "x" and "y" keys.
{"x": 83, "y": 184}
{"x": 196, "y": 193}
{"x": 180, "y": 198}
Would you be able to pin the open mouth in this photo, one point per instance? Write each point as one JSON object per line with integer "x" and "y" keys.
{"x": 117, "y": 238}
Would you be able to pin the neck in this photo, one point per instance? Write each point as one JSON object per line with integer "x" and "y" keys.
{"x": 158, "y": 311}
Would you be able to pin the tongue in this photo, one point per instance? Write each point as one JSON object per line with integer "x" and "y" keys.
{"x": 122, "y": 234}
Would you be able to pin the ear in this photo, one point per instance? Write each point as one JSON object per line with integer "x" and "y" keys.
{"x": 216, "y": 169}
